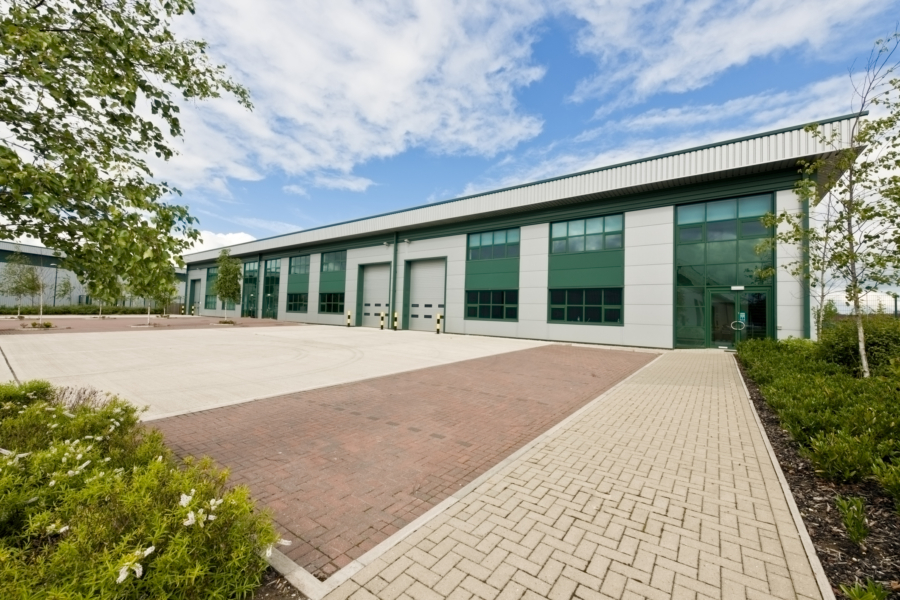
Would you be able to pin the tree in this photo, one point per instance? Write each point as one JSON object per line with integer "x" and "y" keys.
{"x": 228, "y": 282}
{"x": 14, "y": 278}
{"x": 88, "y": 90}
{"x": 64, "y": 289}
{"x": 152, "y": 281}
{"x": 166, "y": 294}
{"x": 861, "y": 177}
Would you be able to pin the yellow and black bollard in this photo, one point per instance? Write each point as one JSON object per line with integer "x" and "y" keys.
{"x": 438, "y": 326}
{"x": 395, "y": 321}
{"x": 182, "y": 309}
{"x": 348, "y": 318}
{"x": 382, "y": 321}
{"x": 192, "y": 309}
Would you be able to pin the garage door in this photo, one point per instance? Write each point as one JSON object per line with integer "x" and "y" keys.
{"x": 376, "y": 295}
{"x": 426, "y": 293}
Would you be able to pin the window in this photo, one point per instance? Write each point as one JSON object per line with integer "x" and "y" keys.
{"x": 596, "y": 306}
{"x": 493, "y": 304}
{"x": 298, "y": 303}
{"x": 270, "y": 288}
{"x": 212, "y": 274}
{"x": 494, "y": 244}
{"x": 334, "y": 261}
{"x": 332, "y": 303}
{"x": 299, "y": 265}
{"x": 251, "y": 285}
{"x": 587, "y": 235}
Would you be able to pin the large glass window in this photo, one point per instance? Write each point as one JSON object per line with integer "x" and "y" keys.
{"x": 503, "y": 243}
{"x": 331, "y": 303}
{"x": 593, "y": 306}
{"x": 717, "y": 244}
{"x": 297, "y": 303}
{"x": 493, "y": 304}
{"x": 212, "y": 274}
{"x": 250, "y": 289}
{"x": 334, "y": 261}
{"x": 587, "y": 235}
{"x": 270, "y": 288}
{"x": 299, "y": 265}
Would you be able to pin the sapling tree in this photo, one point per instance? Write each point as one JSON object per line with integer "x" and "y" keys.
{"x": 860, "y": 178}
{"x": 150, "y": 281}
{"x": 64, "y": 289}
{"x": 14, "y": 278}
{"x": 228, "y": 282}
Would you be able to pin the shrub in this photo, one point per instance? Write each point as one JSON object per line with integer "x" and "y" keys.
{"x": 93, "y": 505}
{"x": 840, "y": 344}
{"x": 845, "y": 425}
{"x": 853, "y": 513}
{"x": 871, "y": 591}
{"x": 80, "y": 309}
{"x": 889, "y": 478}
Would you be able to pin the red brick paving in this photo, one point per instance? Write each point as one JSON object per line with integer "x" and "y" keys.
{"x": 12, "y": 326}
{"x": 345, "y": 467}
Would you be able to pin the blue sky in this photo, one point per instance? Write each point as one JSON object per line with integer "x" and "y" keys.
{"x": 367, "y": 107}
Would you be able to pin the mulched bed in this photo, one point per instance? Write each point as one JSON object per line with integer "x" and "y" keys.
{"x": 844, "y": 562}
{"x": 276, "y": 587}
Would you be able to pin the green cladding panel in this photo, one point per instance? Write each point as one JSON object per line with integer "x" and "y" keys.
{"x": 332, "y": 281}
{"x": 587, "y": 269}
{"x": 298, "y": 284}
{"x": 500, "y": 273}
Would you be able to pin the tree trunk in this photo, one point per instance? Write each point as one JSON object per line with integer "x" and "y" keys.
{"x": 41, "y": 309}
{"x": 861, "y": 335}
{"x": 148, "y": 314}
{"x": 101, "y": 310}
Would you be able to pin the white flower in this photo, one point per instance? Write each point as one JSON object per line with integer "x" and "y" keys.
{"x": 52, "y": 483}
{"x": 185, "y": 500}
{"x": 138, "y": 569}
{"x": 214, "y": 504}
{"x": 68, "y": 414}
{"x": 269, "y": 552}
{"x": 81, "y": 468}
{"x": 64, "y": 529}
{"x": 149, "y": 551}
{"x": 107, "y": 459}
{"x": 54, "y": 426}
{"x": 191, "y": 519}
{"x": 70, "y": 473}
{"x": 159, "y": 458}
{"x": 211, "y": 517}
{"x": 284, "y": 542}
{"x": 123, "y": 574}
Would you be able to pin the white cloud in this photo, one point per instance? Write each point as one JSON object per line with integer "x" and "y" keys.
{"x": 210, "y": 240}
{"x": 343, "y": 182}
{"x": 295, "y": 190}
{"x": 336, "y": 83}
{"x": 651, "y": 46}
{"x": 658, "y": 131}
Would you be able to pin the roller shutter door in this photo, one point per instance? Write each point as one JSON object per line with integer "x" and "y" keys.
{"x": 376, "y": 295}
{"x": 426, "y": 294}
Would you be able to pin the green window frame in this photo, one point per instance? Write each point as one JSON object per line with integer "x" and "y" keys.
{"x": 334, "y": 261}
{"x": 595, "y": 234}
{"x": 212, "y": 274}
{"x": 298, "y": 302}
{"x": 250, "y": 289}
{"x": 587, "y": 306}
{"x": 299, "y": 265}
{"x": 331, "y": 303}
{"x": 496, "y": 305}
{"x": 502, "y": 243}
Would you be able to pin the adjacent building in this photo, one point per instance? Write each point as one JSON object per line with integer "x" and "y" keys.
{"x": 663, "y": 252}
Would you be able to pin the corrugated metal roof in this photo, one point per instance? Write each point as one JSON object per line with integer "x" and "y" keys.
{"x": 752, "y": 154}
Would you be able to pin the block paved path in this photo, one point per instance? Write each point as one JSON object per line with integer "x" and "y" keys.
{"x": 660, "y": 489}
{"x": 347, "y": 466}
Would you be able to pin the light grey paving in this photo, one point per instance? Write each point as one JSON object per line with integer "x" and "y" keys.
{"x": 180, "y": 371}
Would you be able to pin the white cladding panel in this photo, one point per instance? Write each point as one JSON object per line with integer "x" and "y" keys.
{"x": 426, "y": 293}
{"x": 376, "y": 294}
{"x": 789, "y": 289}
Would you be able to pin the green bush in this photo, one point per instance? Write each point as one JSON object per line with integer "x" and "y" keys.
{"x": 80, "y": 309}
{"x": 871, "y": 591}
{"x": 845, "y": 425}
{"x": 889, "y": 478}
{"x": 853, "y": 514}
{"x": 93, "y": 505}
{"x": 840, "y": 342}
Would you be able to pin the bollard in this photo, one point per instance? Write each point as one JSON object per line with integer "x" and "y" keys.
{"x": 348, "y": 318}
{"x": 395, "y": 321}
{"x": 382, "y": 321}
{"x": 182, "y": 309}
{"x": 438, "y": 326}
{"x": 192, "y": 309}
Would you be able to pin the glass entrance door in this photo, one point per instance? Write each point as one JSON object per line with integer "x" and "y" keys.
{"x": 737, "y": 315}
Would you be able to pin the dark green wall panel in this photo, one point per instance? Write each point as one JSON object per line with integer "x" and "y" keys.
{"x": 333, "y": 281}
{"x": 496, "y": 274}
{"x": 584, "y": 278}
{"x": 298, "y": 284}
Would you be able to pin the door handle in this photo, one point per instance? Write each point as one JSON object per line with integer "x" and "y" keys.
{"x": 742, "y": 325}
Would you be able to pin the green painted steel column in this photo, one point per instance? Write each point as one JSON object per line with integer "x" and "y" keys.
{"x": 393, "y": 306}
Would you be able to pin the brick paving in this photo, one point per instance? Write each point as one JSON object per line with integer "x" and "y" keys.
{"x": 662, "y": 489}
{"x": 347, "y": 466}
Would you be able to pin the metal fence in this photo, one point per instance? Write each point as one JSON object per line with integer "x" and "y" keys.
{"x": 870, "y": 304}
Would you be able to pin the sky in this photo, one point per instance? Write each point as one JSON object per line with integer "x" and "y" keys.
{"x": 367, "y": 107}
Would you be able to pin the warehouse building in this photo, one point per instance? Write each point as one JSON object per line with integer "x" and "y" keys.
{"x": 661, "y": 252}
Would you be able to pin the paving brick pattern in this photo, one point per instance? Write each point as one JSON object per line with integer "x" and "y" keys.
{"x": 663, "y": 489}
{"x": 347, "y": 466}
